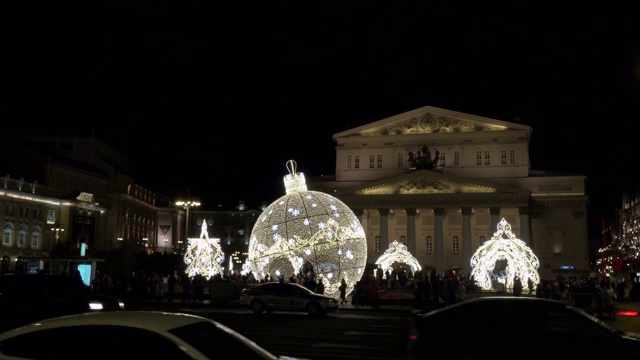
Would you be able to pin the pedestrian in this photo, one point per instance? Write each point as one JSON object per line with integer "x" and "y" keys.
{"x": 171, "y": 285}
{"x": 320, "y": 286}
{"x": 517, "y": 286}
{"x": 343, "y": 291}
{"x": 185, "y": 281}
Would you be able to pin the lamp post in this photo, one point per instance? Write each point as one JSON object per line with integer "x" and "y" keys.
{"x": 57, "y": 229}
{"x": 187, "y": 205}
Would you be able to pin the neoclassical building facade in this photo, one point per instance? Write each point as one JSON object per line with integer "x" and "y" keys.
{"x": 439, "y": 181}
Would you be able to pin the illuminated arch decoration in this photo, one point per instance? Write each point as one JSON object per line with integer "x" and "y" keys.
{"x": 521, "y": 261}
{"x": 397, "y": 253}
{"x": 308, "y": 227}
{"x": 204, "y": 255}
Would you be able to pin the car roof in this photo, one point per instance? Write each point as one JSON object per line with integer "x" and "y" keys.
{"x": 496, "y": 298}
{"x": 151, "y": 320}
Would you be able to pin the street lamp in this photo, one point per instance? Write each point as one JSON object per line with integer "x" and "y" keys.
{"x": 57, "y": 230}
{"x": 187, "y": 205}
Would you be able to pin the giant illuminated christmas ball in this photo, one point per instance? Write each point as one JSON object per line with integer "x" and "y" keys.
{"x": 308, "y": 229}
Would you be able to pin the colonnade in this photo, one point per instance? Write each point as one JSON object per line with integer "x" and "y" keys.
{"x": 439, "y": 230}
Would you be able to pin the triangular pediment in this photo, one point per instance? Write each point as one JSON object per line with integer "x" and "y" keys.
{"x": 424, "y": 182}
{"x": 429, "y": 119}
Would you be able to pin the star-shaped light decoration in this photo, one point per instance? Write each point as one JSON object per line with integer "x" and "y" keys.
{"x": 308, "y": 228}
{"x": 504, "y": 245}
{"x": 397, "y": 253}
{"x": 204, "y": 255}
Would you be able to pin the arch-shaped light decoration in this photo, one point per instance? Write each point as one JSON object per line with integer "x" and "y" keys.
{"x": 397, "y": 253}
{"x": 204, "y": 255}
{"x": 308, "y": 227}
{"x": 521, "y": 261}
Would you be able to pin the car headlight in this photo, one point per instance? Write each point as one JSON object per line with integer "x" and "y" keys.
{"x": 96, "y": 306}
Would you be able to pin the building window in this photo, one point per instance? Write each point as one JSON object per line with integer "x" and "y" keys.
{"x": 376, "y": 245}
{"x": 503, "y": 157}
{"x": 10, "y": 209}
{"x": 357, "y": 161}
{"x": 403, "y": 240}
{"x": 487, "y": 158}
{"x": 429, "y": 244}
{"x": 379, "y": 161}
{"x": 7, "y": 238}
{"x": 478, "y": 157}
{"x": 456, "y": 159}
{"x": 372, "y": 161}
{"x": 400, "y": 162}
{"x": 37, "y": 214}
{"x": 35, "y": 239}
{"x": 455, "y": 245}
{"x": 512, "y": 157}
{"x": 482, "y": 239}
{"x": 51, "y": 217}
{"x": 441, "y": 161}
{"x": 348, "y": 161}
{"x": 21, "y": 238}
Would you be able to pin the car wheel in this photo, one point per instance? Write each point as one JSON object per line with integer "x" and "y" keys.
{"x": 257, "y": 307}
{"x": 313, "y": 308}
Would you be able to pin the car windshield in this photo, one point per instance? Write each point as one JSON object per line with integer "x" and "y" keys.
{"x": 216, "y": 343}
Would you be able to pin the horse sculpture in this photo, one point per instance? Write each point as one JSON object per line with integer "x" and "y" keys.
{"x": 424, "y": 160}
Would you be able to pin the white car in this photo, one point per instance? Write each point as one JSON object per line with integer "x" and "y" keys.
{"x": 120, "y": 335}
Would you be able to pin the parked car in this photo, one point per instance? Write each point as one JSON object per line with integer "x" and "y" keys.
{"x": 276, "y": 296}
{"x": 130, "y": 335}
{"x": 507, "y": 327}
{"x": 26, "y": 297}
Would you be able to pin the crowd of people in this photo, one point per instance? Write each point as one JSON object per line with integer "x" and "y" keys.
{"x": 430, "y": 290}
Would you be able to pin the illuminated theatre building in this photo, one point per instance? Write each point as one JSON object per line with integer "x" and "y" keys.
{"x": 440, "y": 182}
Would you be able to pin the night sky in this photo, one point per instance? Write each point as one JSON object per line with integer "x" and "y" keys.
{"x": 216, "y": 96}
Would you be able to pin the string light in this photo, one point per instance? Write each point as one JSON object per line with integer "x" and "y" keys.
{"x": 504, "y": 245}
{"x": 308, "y": 228}
{"x": 203, "y": 255}
{"x": 397, "y": 253}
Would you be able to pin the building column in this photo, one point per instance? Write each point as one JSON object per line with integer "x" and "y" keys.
{"x": 438, "y": 246}
{"x": 467, "y": 251}
{"x": 384, "y": 229}
{"x": 358, "y": 213}
{"x": 495, "y": 218}
{"x": 525, "y": 234}
{"x": 411, "y": 230}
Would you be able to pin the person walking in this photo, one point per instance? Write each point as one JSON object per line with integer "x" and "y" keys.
{"x": 172, "y": 280}
{"x": 517, "y": 286}
{"x": 343, "y": 292}
{"x": 320, "y": 286}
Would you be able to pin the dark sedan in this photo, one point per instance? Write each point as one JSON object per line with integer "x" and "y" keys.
{"x": 25, "y": 298}
{"x": 274, "y": 296}
{"x": 508, "y": 327}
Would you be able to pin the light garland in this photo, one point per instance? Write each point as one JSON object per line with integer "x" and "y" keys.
{"x": 203, "y": 255}
{"x": 522, "y": 262}
{"x": 397, "y": 253}
{"x": 308, "y": 228}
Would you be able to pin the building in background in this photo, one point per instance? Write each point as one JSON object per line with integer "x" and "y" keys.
{"x": 439, "y": 181}
{"x": 71, "y": 198}
{"x": 619, "y": 255}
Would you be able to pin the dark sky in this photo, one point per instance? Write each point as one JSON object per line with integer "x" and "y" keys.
{"x": 216, "y": 96}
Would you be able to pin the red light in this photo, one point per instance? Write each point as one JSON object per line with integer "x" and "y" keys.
{"x": 627, "y": 313}
{"x": 413, "y": 337}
